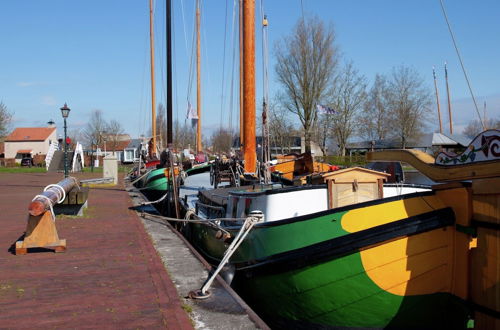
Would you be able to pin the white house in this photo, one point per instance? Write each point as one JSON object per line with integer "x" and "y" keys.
{"x": 29, "y": 141}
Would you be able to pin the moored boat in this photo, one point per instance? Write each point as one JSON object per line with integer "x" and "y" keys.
{"x": 352, "y": 252}
{"x": 397, "y": 261}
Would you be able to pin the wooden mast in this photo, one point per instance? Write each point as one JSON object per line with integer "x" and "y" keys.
{"x": 242, "y": 124}
{"x": 152, "y": 151}
{"x": 249, "y": 86}
{"x": 437, "y": 101}
{"x": 449, "y": 101}
{"x": 170, "y": 97}
{"x": 198, "y": 79}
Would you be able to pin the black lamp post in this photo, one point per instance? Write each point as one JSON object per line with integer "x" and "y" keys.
{"x": 65, "y": 113}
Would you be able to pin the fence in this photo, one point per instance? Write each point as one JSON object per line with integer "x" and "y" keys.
{"x": 7, "y": 162}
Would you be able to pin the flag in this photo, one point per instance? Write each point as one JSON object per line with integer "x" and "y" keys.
{"x": 322, "y": 109}
{"x": 191, "y": 113}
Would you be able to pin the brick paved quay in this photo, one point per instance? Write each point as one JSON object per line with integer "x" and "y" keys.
{"x": 109, "y": 277}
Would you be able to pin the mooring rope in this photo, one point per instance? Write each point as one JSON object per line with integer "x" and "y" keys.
{"x": 61, "y": 194}
{"x": 245, "y": 229}
{"x": 147, "y": 172}
{"x": 156, "y": 201}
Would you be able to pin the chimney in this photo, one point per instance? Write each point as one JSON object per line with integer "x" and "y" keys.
{"x": 51, "y": 124}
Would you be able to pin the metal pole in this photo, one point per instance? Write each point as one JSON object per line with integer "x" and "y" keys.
{"x": 170, "y": 95}
{"x": 65, "y": 152}
{"x": 153, "y": 88}
{"x": 198, "y": 78}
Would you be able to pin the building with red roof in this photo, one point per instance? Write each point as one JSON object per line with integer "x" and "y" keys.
{"x": 29, "y": 142}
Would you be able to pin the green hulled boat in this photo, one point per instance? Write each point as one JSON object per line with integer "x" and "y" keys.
{"x": 156, "y": 184}
{"x": 401, "y": 261}
{"x": 375, "y": 264}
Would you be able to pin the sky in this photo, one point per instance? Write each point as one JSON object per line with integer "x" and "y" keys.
{"x": 94, "y": 54}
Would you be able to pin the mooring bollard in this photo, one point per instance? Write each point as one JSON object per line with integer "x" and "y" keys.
{"x": 41, "y": 229}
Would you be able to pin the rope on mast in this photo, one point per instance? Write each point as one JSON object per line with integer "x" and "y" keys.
{"x": 266, "y": 154}
{"x": 461, "y": 63}
{"x": 223, "y": 70}
{"x": 232, "y": 98}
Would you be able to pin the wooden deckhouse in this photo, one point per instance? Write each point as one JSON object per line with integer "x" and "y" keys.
{"x": 353, "y": 185}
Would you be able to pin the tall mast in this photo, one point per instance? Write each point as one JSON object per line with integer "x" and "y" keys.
{"x": 153, "y": 95}
{"x": 169, "y": 73}
{"x": 249, "y": 151}
{"x": 198, "y": 79}
{"x": 449, "y": 101}
{"x": 437, "y": 101}
{"x": 242, "y": 123}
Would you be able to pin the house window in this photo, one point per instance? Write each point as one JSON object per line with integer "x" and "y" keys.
{"x": 128, "y": 155}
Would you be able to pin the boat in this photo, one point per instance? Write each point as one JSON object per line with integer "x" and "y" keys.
{"x": 352, "y": 252}
{"x": 158, "y": 182}
{"x": 295, "y": 169}
{"x": 396, "y": 261}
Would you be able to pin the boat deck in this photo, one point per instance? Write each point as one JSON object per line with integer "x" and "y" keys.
{"x": 110, "y": 276}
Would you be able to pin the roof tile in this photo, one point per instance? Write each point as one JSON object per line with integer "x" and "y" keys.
{"x": 30, "y": 134}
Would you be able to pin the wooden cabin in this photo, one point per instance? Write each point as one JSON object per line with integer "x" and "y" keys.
{"x": 353, "y": 185}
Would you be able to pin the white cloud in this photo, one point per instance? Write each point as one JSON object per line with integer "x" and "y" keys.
{"x": 48, "y": 100}
{"x": 464, "y": 111}
{"x": 26, "y": 83}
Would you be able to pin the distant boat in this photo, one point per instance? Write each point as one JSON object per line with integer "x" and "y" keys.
{"x": 158, "y": 182}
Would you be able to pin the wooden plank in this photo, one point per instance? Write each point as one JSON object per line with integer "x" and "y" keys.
{"x": 41, "y": 232}
{"x": 72, "y": 197}
{"x": 485, "y": 270}
{"x": 486, "y": 186}
{"x": 82, "y": 195}
{"x": 425, "y": 163}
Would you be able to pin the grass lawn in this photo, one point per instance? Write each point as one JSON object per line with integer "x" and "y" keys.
{"x": 25, "y": 169}
{"x": 22, "y": 170}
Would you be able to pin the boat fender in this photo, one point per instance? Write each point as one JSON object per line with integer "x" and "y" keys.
{"x": 225, "y": 236}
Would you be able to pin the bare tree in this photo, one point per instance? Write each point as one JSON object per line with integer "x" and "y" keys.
{"x": 475, "y": 127}
{"x": 75, "y": 134}
{"x": 222, "y": 140}
{"x": 184, "y": 135}
{"x": 281, "y": 128}
{"x": 374, "y": 124}
{"x": 5, "y": 119}
{"x": 95, "y": 129}
{"x": 409, "y": 102}
{"x": 161, "y": 126}
{"x": 347, "y": 99}
{"x": 113, "y": 131}
{"x": 305, "y": 63}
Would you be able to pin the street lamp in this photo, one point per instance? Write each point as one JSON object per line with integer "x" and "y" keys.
{"x": 65, "y": 113}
